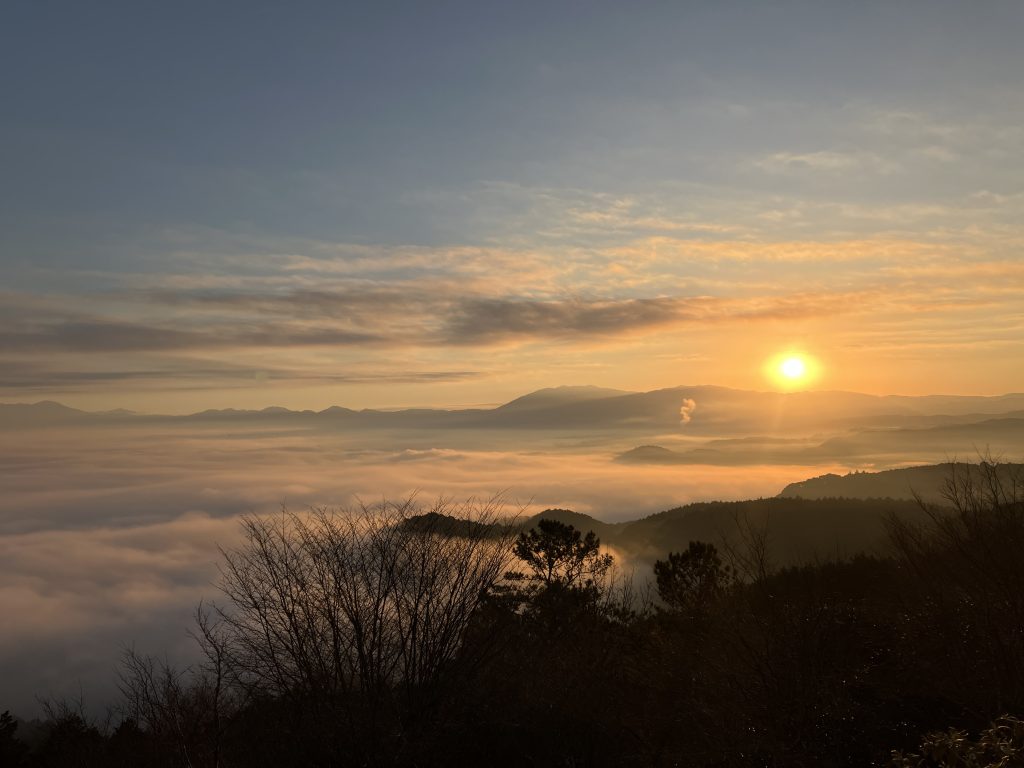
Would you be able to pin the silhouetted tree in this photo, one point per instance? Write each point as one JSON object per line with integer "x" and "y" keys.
{"x": 690, "y": 581}
{"x": 566, "y": 629}
{"x": 558, "y": 555}
{"x": 183, "y": 712}
{"x": 12, "y": 751}
{"x": 965, "y": 590}
{"x": 71, "y": 740}
{"x": 357, "y": 617}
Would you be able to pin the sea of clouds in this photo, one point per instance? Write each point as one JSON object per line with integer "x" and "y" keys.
{"x": 109, "y": 536}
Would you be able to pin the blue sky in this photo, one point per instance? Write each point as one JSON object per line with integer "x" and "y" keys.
{"x": 396, "y": 203}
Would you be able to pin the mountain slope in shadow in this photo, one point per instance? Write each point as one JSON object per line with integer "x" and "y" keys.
{"x": 927, "y": 482}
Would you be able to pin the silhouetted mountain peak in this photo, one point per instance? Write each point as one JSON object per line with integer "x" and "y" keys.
{"x": 578, "y": 520}
{"x": 553, "y": 396}
{"x": 42, "y": 413}
{"x": 48, "y": 405}
{"x": 648, "y": 454}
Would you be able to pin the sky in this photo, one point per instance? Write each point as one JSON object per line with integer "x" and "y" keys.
{"x": 389, "y": 204}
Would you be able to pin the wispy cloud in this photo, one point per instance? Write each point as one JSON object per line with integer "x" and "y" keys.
{"x": 826, "y": 161}
{"x": 37, "y": 376}
{"x": 104, "y": 336}
{"x": 385, "y": 318}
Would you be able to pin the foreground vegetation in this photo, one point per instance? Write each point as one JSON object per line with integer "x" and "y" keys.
{"x": 396, "y": 638}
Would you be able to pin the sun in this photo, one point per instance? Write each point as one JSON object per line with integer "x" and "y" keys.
{"x": 791, "y": 370}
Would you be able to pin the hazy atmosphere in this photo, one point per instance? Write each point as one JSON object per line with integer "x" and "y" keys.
{"x": 612, "y": 258}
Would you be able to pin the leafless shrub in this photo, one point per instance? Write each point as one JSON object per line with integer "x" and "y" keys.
{"x": 747, "y": 549}
{"x": 183, "y": 710}
{"x": 361, "y": 611}
{"x": 968, "y": 570}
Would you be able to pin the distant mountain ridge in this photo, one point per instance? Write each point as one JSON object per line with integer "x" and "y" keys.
{"x": 953, "y": 438}
{"x": 43, "y": 413}
{"x": 557, "y": 396}
{"x": 716, "y": 410}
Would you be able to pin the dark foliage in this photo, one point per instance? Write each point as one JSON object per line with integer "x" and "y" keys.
{"x": 12, "y": 751}
{"x": 692, "y": 581}
{"x": 558, "y": 555}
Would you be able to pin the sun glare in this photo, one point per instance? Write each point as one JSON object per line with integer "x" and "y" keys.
{"x": 791, "y": 370}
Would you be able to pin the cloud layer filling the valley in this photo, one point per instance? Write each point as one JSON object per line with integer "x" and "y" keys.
{"x": 109, "y": 535}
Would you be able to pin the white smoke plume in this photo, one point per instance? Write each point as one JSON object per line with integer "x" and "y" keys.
{"x": 686, "y": 410}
